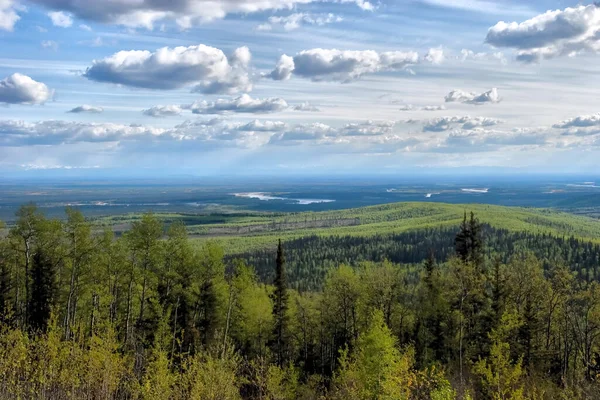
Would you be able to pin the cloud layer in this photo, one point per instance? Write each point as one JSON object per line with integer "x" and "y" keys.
{"x": 21, "y": 89}
{"x": 296, "y": 20}
{"x": 205, "y": 68}
{"x": 241, "y": 104}
{"x": 186, "y": 13}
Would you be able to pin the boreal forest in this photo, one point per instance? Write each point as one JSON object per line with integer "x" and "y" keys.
{"x": 456, "y": 312}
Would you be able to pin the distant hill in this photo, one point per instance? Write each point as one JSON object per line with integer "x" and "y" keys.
{"x": 243, "y": 232}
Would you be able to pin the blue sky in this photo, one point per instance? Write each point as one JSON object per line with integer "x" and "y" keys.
{"x": 241, "y": 87}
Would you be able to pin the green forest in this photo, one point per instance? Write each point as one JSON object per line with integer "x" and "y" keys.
{"x": 386, "y": 302}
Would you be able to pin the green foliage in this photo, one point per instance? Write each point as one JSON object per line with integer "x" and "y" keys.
{"x": 150, "y": 314}
{"x": 501, "y": 377}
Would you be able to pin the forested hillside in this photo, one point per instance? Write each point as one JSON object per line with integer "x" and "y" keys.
{"x": 475, "y": 307}
{"x": 310, "y": 258}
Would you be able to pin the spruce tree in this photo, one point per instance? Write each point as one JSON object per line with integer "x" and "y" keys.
{"x": 469, "y": 242}
{"x": 280, "y": 307}
{"x": 461, "y": 242}
{"x": 43, "y": 290}
{"x": 5, "y": 290}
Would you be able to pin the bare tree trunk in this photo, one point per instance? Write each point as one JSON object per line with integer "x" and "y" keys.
{"x": 128, "y": 314}
{"x": 69, "y": 302}
{"x": 227, "y": 322}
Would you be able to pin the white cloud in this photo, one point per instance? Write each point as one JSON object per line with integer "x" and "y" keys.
{"x": 410, "y": 107}
{"x": 21, "y": 89}
{"x": 190, "y": 135}
{"x": 468, "y": 55}
{"x": 468, "y": 123}
{"x": 367, "y": 128}
{"x": 491, "y": 96}
{"x": 305, "y": 107}
{"x": 21, "y": 133}
{"x": 60, "y": 19}
{"x": 435, "y": 56}
{"x": 208, "y": 68}
{"x": 433, "y": 108}
{"x": 34, "y": 167}
{"x": 163, "y": 111}
{"x": 480, "y": 140}
{"x": 8, "y": 15}
{"x": 296, "y": 20}
{"x": 241, "y": 104}
{"x": 583, "y": 121}
{"x": 262, "y": 126}
{"x": 481, "y": 6}
{"x": 49, "y": 44}
{"x": 186, "y": 13}
{"x": 443, "y": 123}
{"x": 303, "y": 133}
{"x": 552, "y": 34}
{"x": 341, "y": 65}
{"x": 85, "y": 27}
{"x": 86, "y": 108}
{"x": 284, "y": 68}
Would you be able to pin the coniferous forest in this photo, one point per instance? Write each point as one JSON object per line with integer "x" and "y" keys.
{"x": 469, "y": 312}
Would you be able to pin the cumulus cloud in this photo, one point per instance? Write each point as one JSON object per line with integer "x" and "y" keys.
{"x": 284, "y": 68}
{"x": 305, "y": 107}
{"x": 296, "y": 20}
{"x": 460, "y": 96}
{"x": 186, "y": 13}
{"x": 207, "y": 68}
{"x": 21, "y": 89}
{"x": 87, "y": 109}
{"x": 8, "y": 15}
{"x": 583, "y": 121}
{"x": 435, "y": 56}
{"x": 447, "y": 123}
{"x": 163, "y": 111}
{"x": 241, "y": 104}
{"x": 315, "y": 132}
{"x": 375, "y": 132}
{"x": 340, "y": 65}
{"x": 552, "y": 34}
{"x": 60, "y": 19}
{"x": 367, "y": 128}
{"x": 262, "y": 126}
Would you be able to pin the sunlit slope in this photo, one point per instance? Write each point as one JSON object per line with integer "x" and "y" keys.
{"x": 256, "y": 232}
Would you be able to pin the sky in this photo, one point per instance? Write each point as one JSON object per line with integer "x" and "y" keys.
{"x": 298, "y": 87}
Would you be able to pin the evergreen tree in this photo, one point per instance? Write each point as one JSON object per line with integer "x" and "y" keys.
{"x": 43, "y": 291}
{"x": 280, "y": 307}
{"x": 469, "y": 241}
{"x": 5, "y": 289}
